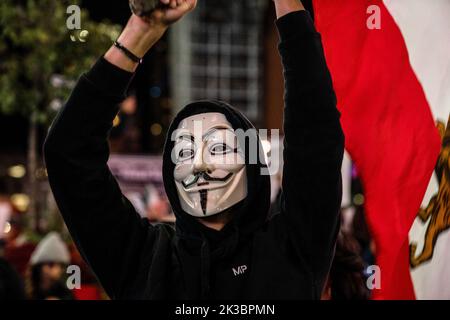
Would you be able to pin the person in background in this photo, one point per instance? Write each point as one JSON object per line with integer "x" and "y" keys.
{"x": 47, "y": 270}
{"x": 11, "y": 286}
{"x": 361, "y": 233}
{"x": 346, "y": 280}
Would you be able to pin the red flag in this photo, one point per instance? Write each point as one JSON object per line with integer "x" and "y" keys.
{"x": 389, "y": 128}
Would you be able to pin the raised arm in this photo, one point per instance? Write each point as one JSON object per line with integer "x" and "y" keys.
{"x": 314, "y": 141}
{"x": 103, "y": 223}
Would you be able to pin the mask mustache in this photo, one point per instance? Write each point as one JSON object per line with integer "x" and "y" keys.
{"x": 203, "y": 174}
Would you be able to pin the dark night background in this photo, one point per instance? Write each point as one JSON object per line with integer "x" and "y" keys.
{"x": 152, "y": 73}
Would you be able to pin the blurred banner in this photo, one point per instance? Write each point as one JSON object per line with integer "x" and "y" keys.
{"x": 140, "y": 179}
{"x": 391, "y": 88}
{"x": 134, "y": 173}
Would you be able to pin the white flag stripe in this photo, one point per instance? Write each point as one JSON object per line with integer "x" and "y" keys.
{"x": 425, "y": 26}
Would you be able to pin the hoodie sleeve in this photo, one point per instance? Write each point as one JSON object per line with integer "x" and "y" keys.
{"x": 314, "y": 144}
{"x": 104, "y": 225}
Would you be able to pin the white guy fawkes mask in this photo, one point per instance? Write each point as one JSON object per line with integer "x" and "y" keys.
{"x": 210, "y": 174}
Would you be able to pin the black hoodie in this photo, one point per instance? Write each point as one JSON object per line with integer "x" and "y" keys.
{"x": 285, "y": 257}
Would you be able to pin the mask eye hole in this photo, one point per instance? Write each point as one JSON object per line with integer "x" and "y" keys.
{"x": 186, "y": 154}
{"x": 219, "y": 149}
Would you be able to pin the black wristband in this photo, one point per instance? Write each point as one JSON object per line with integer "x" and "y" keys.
{"x": 128, "y": 53}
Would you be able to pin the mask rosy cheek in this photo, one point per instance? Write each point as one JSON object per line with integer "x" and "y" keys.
{"x": 182, "y": 171}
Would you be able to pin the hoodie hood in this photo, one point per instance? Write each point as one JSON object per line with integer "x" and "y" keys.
{"x": 247, "y": 215}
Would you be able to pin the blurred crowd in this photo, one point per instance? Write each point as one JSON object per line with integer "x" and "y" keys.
{"x": 40, "y": 270}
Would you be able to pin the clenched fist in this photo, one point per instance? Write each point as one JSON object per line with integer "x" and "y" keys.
{"x": 149, "y": 21}
{"x": 163, "y": 12}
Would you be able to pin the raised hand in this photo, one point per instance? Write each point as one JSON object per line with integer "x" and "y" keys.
{"x": 142, "y": 32}
{"x": 172, "y": 11}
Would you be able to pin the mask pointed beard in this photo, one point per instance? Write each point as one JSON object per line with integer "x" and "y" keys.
{"x": 204, "y": 200}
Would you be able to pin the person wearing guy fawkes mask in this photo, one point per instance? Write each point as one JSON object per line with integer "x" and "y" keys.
{"x": 223, "y": 246}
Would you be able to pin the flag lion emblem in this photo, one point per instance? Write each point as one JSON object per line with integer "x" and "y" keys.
{"x": 438, "y": 209}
